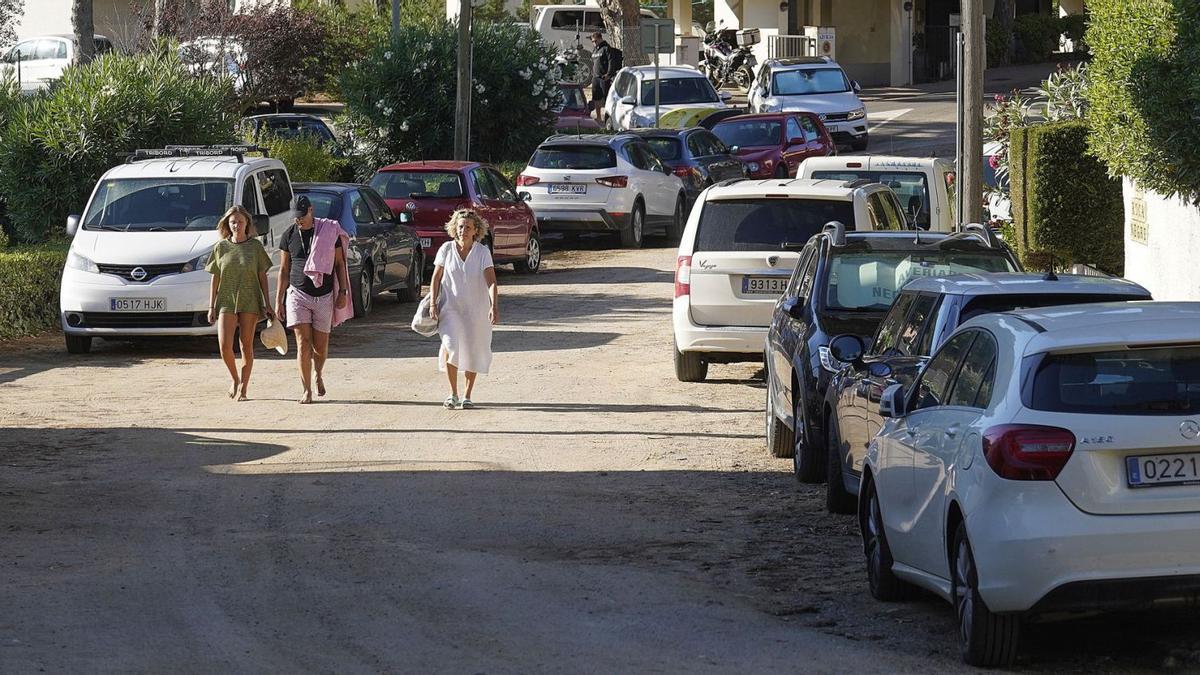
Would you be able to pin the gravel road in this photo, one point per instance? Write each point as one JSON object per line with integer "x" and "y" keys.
{"x": 592, "y": 515}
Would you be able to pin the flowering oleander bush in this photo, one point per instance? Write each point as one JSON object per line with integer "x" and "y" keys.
{"x": 400, "y": 96}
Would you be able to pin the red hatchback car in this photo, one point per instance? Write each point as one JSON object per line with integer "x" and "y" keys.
{"x": 430, "y": 191}
{"x": 574, "y": 117}
{"x": 774, "y": 144}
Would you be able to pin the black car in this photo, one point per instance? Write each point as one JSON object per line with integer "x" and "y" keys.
{"x": 925, "y": 313}
{"x": 696, "y": 155}
{"x": 385, "y": 253}
{"x": 844, "y": 283}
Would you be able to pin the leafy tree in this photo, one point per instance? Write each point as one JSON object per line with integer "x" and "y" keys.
{"x": 10, "y": 14}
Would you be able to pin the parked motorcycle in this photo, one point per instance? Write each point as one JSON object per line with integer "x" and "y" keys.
{"x": 727, "y": 62}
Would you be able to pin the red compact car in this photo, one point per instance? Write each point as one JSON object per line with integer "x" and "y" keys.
{"x": 574, "y": 116}
{"x": 430, "y": 191}
{"x": 774, "y": 144}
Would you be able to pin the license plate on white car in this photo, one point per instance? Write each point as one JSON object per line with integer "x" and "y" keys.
{"x": 137, "y": 304}
{"x": 764, "y": 285}
{"x": 1159, "y": 470}
{"x": 426, "y": 242}
{"x": 568, "y": 188}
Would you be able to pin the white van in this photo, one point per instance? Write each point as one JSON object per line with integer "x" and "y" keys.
{"x": 925, "y": 185}
{"x": 137, "y": 256}
{"x": 559, "y": 25}
{"x": 42, "y": 59}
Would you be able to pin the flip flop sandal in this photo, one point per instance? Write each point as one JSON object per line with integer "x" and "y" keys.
{"x": 450, "y": 403}
{"x": 466, "y": 404}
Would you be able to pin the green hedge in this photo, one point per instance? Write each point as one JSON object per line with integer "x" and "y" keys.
{"x": 29, "y": 294}
{"x": 1037, "y": 36}
{"x": 1064, "y": 203}
{"x": 1145, "y": 91}
{"x": 307, "y": 161}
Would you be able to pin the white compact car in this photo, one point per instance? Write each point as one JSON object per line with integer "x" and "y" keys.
{"x": 813, "y": 84}
{"x": 923, "y": 184}
{"x": 137, "y": 256}
{"x": 630, "y": 102}
{"x": 603, "y": 183}
{"x": 43, "y": 59}
{"x": 1045, "y": 460}
{"x": 738, "y": 250}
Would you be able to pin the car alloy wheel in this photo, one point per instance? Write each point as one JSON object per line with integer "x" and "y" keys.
{"x": 533, "y": 254}
{"x": 985, "y": 639}
{"x": 884, "y": 583}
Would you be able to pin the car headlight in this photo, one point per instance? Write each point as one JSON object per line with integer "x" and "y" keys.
{"x": 78, "y": 262}
{"x": 753, "y": 166}
{"x": 771, "y": 105}
{"x": 857, "y": 114}
{"x": 828, "y": 362}
{"x": 197, "y": 263}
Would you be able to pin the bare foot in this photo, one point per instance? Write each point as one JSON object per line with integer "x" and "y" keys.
{"x": 242, "y": 395}
{"x": 320, "y": 387}
{"x": 307, "y": 398}
{"x": 233, "y": 389}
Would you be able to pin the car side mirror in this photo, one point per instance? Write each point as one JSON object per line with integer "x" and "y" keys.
{"x": 627, "y": 100}
{"x": 665, "y": 169}
{"x": 262, "y": 224}
{"x": 404, "y": 217}
{"x": 891, "y": 403}
{"x": 796, "y": 141}
{"x": 725, "y": 96}
{"x": 855, "y": 86}
{"x": 524, "y": 196}
{"x": 72, "y": 225}
{"x": 847, "y": 348}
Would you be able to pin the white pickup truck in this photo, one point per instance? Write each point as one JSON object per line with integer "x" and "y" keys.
{"x": 925, "y": 185}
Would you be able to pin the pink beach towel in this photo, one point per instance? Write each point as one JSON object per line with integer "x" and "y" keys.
{"x": 320, "y": 262}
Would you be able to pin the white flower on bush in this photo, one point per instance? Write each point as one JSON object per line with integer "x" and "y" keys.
{"x": 525, "y": 73}
{"x": 542, "y": 104}
{"x": 537, "y": 88}
{"x": 387, "y": 56}
{"x": 379, "y": 104}
{"x": 480, "y": 88}
{"x": 423, "y": 65}
{"x": 428, "y": 46}
{"x": 404, "y": 125}
{"x": 387, "y": 112}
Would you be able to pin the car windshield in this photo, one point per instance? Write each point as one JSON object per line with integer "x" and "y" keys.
{"x": 765, "y": 224}
{"x": 868, "y": 281}
{"x": 418, "y": 184}
{"x": 578, "y": 157}
{"x": 666, "y": 148}
{"x": 158, "y": 204}
{"x": 678, "y": 90}
{"x": 325, "y": 204}
{"x": 1151, "y": 381}
{"x": 811, "y": 81}
{"x": 910, "y": 186}
{"x": 750, "y": 133}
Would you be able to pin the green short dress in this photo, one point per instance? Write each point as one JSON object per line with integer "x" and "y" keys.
{"x": 237, "y": 266}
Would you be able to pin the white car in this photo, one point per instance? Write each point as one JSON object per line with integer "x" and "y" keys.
{"x": 216, "y": 56}
{"x": 737, "y": 253}
{"x": 43, "y": 59}
{"x": 1045, "y": 460}
{"x": 630, "y": 102}
{"x": 568, "y": 26}
{"x": 923, "y": 184}
{"x": 813, "y": 84}
{"x": 137, "y": 256}
{"x": 603, "y": 183}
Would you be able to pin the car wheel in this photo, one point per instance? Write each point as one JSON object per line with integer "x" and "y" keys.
{"x": 78, "y": 344}
{"x": 675, "y": 229}
{"x": 363, "y": 293}
{"x": 532, "y": 262}
{"x": 986, "y": 639}
{"x": 837, "y": 498}
{"x": 631, "y": 236}
{"x": 689, "y": 367}
{"x": 807, "y": 459}
{"x": 416, "y": 274}
{"x": 883, "y": 582}
{"x": 780, "y": 440}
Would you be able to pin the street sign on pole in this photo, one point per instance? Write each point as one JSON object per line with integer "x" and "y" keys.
{"x": 658, "y": 37}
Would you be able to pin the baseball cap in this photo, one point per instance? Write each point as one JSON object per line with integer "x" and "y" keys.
{"x": 301, "y": 205}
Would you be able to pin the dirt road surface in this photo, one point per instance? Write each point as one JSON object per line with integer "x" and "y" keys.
{"x": 593, "y": 515}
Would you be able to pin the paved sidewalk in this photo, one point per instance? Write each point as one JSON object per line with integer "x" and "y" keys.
{"x": 996, "y": 81}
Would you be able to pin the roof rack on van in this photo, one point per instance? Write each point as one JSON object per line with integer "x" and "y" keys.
{"x": 985, "y": 233}
{"x": 837, "y": 231}
{"x": 238, "y": 151}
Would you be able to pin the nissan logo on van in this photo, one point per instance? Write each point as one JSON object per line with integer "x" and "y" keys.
{"x": 138, "y": 274}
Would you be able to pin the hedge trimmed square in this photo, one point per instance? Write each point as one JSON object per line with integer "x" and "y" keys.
{"x": 29, "y": 294}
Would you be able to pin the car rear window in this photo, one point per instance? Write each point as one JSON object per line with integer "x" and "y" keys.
{"x": 417, "y": 184}
{"x": 666, "y": 148}
{"x": 766, "y": 224}
{"x": 870, "y": 280}
{"x": 578, "y": 157}
{"x": 325, "y": 204}
{"x": 1149, "y": 381}
{"x": 750, "y": 133}
{"x": 910, "y": 186}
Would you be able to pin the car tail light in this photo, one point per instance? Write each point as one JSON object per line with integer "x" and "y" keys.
{"x": 682, "y": 171}
{"x": 683, "y": 276}
{"x": 525, "y": 181}
{"x": 1026, "y": 451}
{"x": 614, "y": 181}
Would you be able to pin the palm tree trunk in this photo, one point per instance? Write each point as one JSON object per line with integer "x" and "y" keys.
{"x": 84, "y": 20}
{"x": 623, "y": 22}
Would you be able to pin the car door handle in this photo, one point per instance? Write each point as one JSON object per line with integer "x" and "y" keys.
{"x": 952, "y": 430}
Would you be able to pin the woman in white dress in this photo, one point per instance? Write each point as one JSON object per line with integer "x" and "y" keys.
{"x": 465, "y": 303}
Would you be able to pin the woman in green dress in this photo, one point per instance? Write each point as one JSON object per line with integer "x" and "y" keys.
{"x": 237, "y": 296}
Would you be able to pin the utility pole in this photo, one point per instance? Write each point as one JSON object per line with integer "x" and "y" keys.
{"x": 395, "y": 18}
{"x": 462, "y": 105}
{"x": 971, "y": 172}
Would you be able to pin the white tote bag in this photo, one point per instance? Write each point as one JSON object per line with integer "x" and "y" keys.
{"x": 422, "y": 322}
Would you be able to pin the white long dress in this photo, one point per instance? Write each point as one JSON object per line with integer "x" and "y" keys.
{"x": 464, "y": 306}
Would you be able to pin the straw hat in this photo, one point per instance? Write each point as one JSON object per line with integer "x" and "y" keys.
{"x": 273, "y": 337}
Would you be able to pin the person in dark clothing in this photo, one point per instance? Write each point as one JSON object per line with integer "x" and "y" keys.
{"x": 603, "y": 71}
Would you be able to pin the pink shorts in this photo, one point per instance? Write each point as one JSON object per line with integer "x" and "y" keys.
{"x": 304, "y": 308}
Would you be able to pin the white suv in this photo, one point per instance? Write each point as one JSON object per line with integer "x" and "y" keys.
{"x": 137, "y": 256}
{"x": 813, "y": 84}
{"x": 630, "y": 102}
{"x": 603, "y": 183}
{"x": 738, "y": 250}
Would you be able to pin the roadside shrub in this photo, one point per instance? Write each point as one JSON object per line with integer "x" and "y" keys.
{"x": 999, "y": 47}
{"x": 400, "y": 96}
{"x": 29, "y": 294}
{"x": 55, "y": 145}
{"x": 1145, "y": 92}
{"x": 307, "y": 161}
{"x": 348, "y": 35}
{"x": 1064, "y": 203}
{"x": 1037, "y": 37}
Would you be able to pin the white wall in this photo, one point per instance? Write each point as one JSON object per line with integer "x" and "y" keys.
{"x": 1166, "y": 262}
{"x": 44, "y": 17}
